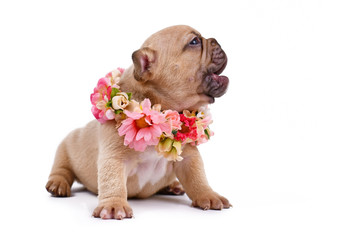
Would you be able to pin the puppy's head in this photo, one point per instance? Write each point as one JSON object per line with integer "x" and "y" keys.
{"x": 180, "y": 69}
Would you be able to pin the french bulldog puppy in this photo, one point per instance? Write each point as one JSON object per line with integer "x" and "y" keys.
{"x": 177, "y": 68}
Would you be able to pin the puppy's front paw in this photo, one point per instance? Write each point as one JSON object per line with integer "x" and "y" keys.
{"x": 211, "y": 200}
{"x": 113, "y": 209}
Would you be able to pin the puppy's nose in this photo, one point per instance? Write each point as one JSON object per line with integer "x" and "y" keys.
{"x": 214, "y": 43}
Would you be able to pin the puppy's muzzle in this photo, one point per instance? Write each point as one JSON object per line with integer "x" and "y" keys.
{"x": 213, "y": 84}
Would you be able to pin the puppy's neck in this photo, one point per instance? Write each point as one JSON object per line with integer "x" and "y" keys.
{"x": 141, "y": 90}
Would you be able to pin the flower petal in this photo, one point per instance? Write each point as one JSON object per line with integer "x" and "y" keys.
{"x": 146, "y": 104}
{"x": 140, "y": 134}
{"x": 147, "y": 134}
{"x": 157, "y": 117}
{"x": 95, "y": 97}
{"x": 165, "y": 145}
{"x": 126, "y": 125}
{"x": 155, "y": 130}
{"x": 129, "y": 137}
{"x": 138, "y": 145}
{"x": 109, "y": 114}
{"x": 133, "y": 115}
{"x": 177, "y": 146}
{"x": 166, "y": 128}
{"x": 133, "y": 106}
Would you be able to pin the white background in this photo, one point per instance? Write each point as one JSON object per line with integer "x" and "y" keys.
{"x": 286, "y": 149}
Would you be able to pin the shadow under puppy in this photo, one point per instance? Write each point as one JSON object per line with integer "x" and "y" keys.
{"x": 178, "y": 69}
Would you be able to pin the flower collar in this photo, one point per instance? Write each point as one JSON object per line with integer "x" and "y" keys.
{"x": 144, "y": 124}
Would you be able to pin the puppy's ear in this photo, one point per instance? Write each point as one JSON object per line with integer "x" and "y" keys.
{"x": 143, "y": 59}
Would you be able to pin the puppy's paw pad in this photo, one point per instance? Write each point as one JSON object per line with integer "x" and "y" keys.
{"x": 58, "y": 187}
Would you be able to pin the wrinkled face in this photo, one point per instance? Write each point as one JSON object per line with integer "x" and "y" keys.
{"x": 182, "y": 68}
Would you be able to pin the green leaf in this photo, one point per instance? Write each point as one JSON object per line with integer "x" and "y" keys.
{"x": 207, "y": 133}
{"x": 109, "y": 104}
{"x": 174, "y": 132}
{"x": 114, "y": 91}
{"x": 129, "y": 95}
{"x": 118, "y": 111}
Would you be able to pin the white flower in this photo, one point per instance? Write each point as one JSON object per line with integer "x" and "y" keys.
{"x": 101, "y": 105}
{"x": 109, "y": 114}
{"x": 114, "y": 78}
{"x": 115, "y": 73}
{"x": 203, "y": 112}
{"x": 120, "y": 101}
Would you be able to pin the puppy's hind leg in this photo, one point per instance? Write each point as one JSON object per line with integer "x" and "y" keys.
{"x": 61, "y": 177}
{"x": 175, "y": 188}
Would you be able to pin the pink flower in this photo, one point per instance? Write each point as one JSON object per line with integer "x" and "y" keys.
{"x": 143, "y": 127}
{"x": 204, "y": 136}
{"x": 173, "y": 117}
{"x": 114, "y": 77}
{"x": 188, "y": 129}
{"x": 203, "y": 121}
{"x": 99, "y": 99}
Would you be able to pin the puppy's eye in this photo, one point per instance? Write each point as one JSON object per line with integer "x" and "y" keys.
{"x": 195, "y": 41}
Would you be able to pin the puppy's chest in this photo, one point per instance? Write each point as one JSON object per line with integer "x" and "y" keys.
{"x": 151, "y": 167}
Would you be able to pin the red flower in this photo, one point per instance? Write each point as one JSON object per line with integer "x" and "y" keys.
{"x": 188, "y": 129}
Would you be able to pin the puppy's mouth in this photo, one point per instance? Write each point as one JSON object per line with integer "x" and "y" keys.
{"x": 214, "y": 85}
